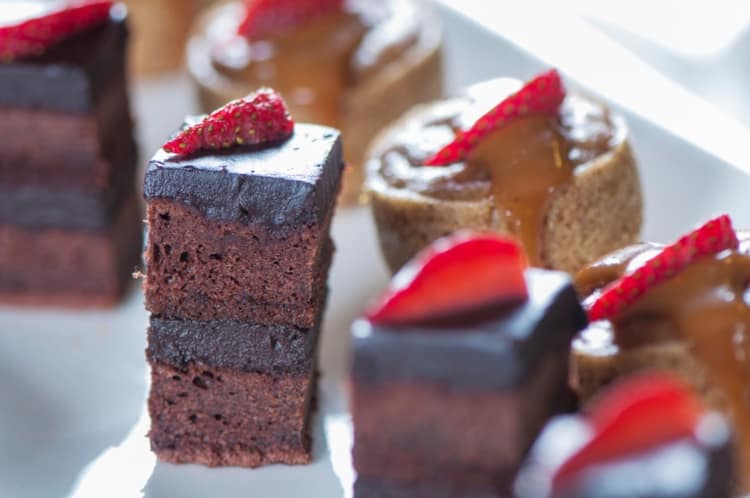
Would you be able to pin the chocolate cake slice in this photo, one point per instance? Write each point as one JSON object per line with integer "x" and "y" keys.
{"x": 231, "y": 393}
{"x": 236, "y": 268}
{"x": 258, "y": 223}
{"x": 452, "y": 403}
{"x": 70, "y": 231}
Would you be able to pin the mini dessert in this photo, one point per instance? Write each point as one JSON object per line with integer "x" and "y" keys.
{"x": 457, "y": 369}
{"x": 554, "y": 171}
{"x": 70, "y": 223}
{"x": 239, "y": 207}
{"x": 160, "y": 33}
{"x": 355, "y": 65}
{"x": 681, "y": 307}
{"x": 646, "y": 438}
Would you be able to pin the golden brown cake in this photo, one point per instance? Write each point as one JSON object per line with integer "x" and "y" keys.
{"x": 356, "y": 70}
{"x": 567, "y": 186}
{"x": 160, "y": 29}
{"x": 695, "y": 324}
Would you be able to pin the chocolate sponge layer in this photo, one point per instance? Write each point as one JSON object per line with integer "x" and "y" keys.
{"x": 89, "y": 151}
{"x": 410, "y": 432}
{"x": 225, "y": 417}
{"x": 74, "y": 268}
{"x": 203, "y": 269}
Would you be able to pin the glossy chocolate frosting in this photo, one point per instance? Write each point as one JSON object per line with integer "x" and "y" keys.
{"x": 243, "y": 346}
{"x": 520, "y": 166}
{"x": 698, "y": 467}
{"x": 71, "y": 75}
{"x": 313, "y": 65}
{"x": 494, "y": 349}
{"x": 275, "y": 185}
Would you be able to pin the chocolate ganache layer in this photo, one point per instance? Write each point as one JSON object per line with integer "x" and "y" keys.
{"x": 71, "y": 75}
{"x": 496, "y": 349}
{"x": 282, "y": 185}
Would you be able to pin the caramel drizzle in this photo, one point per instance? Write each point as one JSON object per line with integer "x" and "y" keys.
{"x": 708, "y": 305}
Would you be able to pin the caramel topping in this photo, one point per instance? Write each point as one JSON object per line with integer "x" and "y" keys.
{"x": 314, "y": 65}
{"x": 520, "y": 166}
{"x": 707, "y": 304}
{"x": 527, "y": 161}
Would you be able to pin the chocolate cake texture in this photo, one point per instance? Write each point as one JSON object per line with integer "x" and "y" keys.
{"x": 70, "y": 222}
{"x": 236, "y": 273}
{"x": 459, "y": 402}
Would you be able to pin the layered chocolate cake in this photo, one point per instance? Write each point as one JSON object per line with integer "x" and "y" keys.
{"x": 553, "y": 169}
{"x": 457, "y": 369}
{"x": 70, "y": 223}
{"x": 681, "y": 307}
{"x": 646, "y": 438}
{"x": 236, "y": 267}
{"x": 355, "y": 64}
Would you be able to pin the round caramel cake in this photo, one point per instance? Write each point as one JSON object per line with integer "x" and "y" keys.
{"x": 696, "y": 324}
{"x": 356, "y": 70}
{"x": 566, "y": 186}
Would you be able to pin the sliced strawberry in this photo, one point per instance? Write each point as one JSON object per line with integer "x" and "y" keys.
{"x": 34, "y": 36}
{"x": 541, "y": 95}
{"x": 269, "y": 17}
{"x": 261, "y": 117}
{"x": 457, "y": 273}
{"x": 711, "y": 238}
{"x": 636, "y": 415}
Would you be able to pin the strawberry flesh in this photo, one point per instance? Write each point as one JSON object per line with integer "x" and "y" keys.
{"x": 35, "y": 36}
{"x": 259, "y": 118}
{"x": 637, "y": 415}
{"x": 542, "y": 95}
{"x": 268, "y": 17}
{"x": 715, "y": 236}
{"x": 455, "y": 274}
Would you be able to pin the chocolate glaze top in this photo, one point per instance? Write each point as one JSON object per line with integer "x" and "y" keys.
{"x": 312, "y": 65}
{"x": 699, "y": 467}
{"x": 707, "y": 305}
{"x": 71, "y": 75}
{"x": 276, "y": 185}
{"x": 519, "y": 167}
{"x": 493, "y": 349}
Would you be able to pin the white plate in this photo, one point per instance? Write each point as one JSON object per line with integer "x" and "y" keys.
{"x": 73, "y": 385}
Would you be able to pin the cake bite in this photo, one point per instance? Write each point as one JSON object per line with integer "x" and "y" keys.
{"x": 239, "y": 206}
{"x": 647, "y": 437}
{"x": 681, "y": 307}
{"x": 457, "y": 368}
{"x": 70, "y": 222}
{"x": 553, "y": 169}
{"x": 352, "y": 64}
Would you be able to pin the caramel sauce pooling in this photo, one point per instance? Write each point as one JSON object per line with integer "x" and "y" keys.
{"x": 707, "y": 305}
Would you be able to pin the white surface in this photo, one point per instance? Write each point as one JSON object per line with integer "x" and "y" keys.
{"x": 72, "y": 386}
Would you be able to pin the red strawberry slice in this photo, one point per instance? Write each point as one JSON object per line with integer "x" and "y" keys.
{"x": 711, "y": 238}
{"x": 34, "y": 36}
{"x": 636, "y": 415}
{"x": 269, "y": 17}
{"x": 541, "y": 95}
{"x": 261, "y": 117}
{"x": 457, "y": 273}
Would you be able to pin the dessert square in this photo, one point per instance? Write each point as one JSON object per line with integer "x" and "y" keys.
{"x": 465, "y": 399}
{"x": 231, "y": 393}
{"x": 257, "y": 248}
